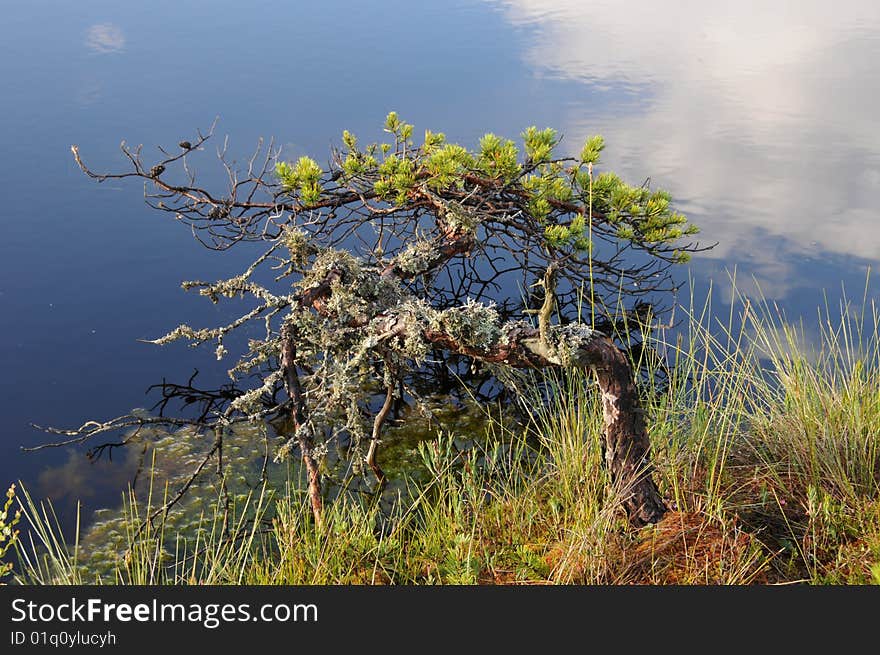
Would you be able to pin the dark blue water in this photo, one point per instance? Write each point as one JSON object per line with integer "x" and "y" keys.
{"x": 762, "y": 122}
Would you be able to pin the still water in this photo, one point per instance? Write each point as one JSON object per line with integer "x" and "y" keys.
{"x": 762, "y": 119}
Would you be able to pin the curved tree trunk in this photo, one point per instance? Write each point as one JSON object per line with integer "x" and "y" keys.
{"x": 625, "y": 441}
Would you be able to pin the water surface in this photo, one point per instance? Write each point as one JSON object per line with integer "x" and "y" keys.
{"x": 761, "y": 120}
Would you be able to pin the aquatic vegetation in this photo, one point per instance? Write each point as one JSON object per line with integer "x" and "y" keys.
{"x": 8, "y": 529}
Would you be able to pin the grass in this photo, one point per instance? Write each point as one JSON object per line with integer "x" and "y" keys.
{"x": 766, "y": 443}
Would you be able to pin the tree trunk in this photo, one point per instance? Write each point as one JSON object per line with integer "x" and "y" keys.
{"x": 625, "y": 439}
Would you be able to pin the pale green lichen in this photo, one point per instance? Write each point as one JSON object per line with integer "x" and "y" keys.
{"x": 569, "y": 344}
{"x": 367, "y": 329}
{"x": 184, "y": 331}
{"x": 357, "y": 292}
{"x": 250, "y": 402}
{"x": 259, "y": 352}
{"x": 416, "y": 258}
{"x": 460, "y": 218}
{"x": 299, "y": 245}
{"x": 234, "y": 287}
{"x": 564, "y": 345}
{"x": 474, "y": 324}
{"x": 413, "y": 344}
{"x": 303, "y": 436}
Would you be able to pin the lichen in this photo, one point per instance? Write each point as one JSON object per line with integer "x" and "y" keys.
{"x": 184, "y": 331}
{"x": 570, "y": 341}
{"x": 357, "y": 292}
{"x": 416, "y": 258}
{"x": 250, "y": 402}
{"x": 413, "y": 344}
{"x": 362, "y": 330}
{"x": 299, "y": 245}
{"x": 460, "y": 218}
{"x": 474, "y": 324}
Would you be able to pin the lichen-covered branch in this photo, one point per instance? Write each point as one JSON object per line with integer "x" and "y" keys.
{"x": 528, "y": 203}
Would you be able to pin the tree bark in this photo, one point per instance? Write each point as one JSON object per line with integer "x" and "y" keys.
{"x": 625, "y": 439}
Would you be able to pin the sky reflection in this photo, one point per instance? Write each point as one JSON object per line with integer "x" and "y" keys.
{"x": 105, "y": 38}
{"x": 761, "y": 117}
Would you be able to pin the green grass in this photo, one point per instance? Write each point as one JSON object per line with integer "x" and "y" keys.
{"x": 766, "y": 442}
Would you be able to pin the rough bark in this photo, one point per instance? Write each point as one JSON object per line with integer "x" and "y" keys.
{"x": 625, "y": 439}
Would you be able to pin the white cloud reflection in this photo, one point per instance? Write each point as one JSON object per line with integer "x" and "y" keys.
{"x": 105, "y": 38}
{"x": 762, "y": 117}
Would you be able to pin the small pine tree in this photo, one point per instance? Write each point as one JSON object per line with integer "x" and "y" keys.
{"x": 401, "y": 250}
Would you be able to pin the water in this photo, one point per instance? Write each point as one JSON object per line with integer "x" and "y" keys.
{"x": 761, "y": 120}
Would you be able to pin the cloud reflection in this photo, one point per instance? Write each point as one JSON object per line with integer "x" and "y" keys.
{"x": 105, "y": 38}
{"x": 762, "y": 117}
